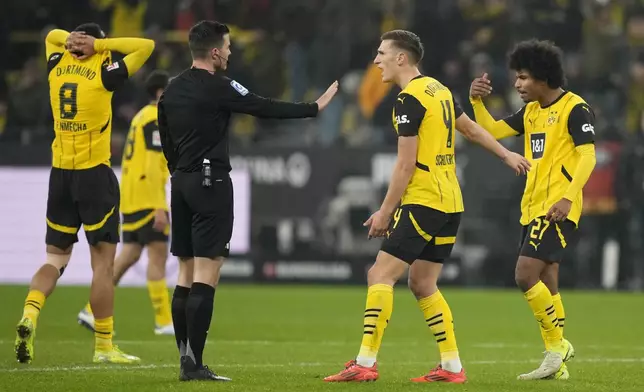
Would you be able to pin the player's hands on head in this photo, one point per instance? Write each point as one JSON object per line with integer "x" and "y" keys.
{"x": 559, "y": 212}
{"x": 517, "y": 162}
{"x": 324, "y": 100}
{"x": 481, "y": 87}
{"x": 80, "y": 45}
{"x": 378, "y": 223}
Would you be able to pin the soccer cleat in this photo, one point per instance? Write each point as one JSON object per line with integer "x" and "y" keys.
{"x": 551, "y": 364}
{"x": 190, "y": 372}
{"x": 164, "y": 330}
{"x": 438, "y": 374}
{"x": 570, "y": 354}
{"x": 561, "y": 374}
{"x": 86, "y": 319}
{"x": 114, "y": 356}
{"x": 24, "y": 346}
{"x": 354, "y": 372}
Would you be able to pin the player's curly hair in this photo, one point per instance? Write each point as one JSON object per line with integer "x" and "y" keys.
{"x": 157, "y": 80}
{"x": 542, "y": 59}
{"x": 407, "y": 41}
{"x": 206, "y": 35}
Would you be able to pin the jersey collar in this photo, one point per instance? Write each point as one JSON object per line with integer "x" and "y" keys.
{"x": 556, "y": 100}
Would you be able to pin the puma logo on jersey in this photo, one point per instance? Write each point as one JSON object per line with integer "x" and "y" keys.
{"x": 402, "y": 99}
{"x": 402, "y": 119}
{"x": 535, "y": 246}
{"x": 588, "y": 128}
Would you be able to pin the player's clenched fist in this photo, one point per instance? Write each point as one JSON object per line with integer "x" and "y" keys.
{"x": 481, "y": 87}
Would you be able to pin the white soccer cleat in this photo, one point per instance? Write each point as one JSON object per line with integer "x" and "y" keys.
{"x": 86, "y": 319}
{"x": 548, "y": 368}
{"x": 164, "y": 330}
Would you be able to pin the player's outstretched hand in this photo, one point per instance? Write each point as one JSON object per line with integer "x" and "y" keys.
{"x": 378, "y": 223}
{"x": 328, "y": 95}
{"x": 559, "y": 212}
{"x": 481, "y": 87}
{"x": 517, "y": 162}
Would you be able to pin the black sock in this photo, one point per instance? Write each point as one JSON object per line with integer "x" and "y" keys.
{"x": 199, "y": 314}
{"x": 179, "y": 302}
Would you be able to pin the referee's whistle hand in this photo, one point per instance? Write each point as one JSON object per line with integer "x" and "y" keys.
{"x": 328, "y": 95}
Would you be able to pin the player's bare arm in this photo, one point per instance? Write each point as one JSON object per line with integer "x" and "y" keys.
{"x": 475, "y": 133}
{"x": 403, "y": 171}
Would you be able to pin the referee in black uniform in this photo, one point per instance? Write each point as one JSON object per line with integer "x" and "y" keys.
{"x": 194, "y": 112}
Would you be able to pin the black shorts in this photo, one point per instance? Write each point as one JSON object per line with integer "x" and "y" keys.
{"x": 202, "y": 218}
{"x": 138, "y": 228}
{"x": 547, "y": 241}
{"x": 421, "y": 233}
{"x": 88, "y": 197}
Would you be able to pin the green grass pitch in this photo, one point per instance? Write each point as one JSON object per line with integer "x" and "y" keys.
{"x": 287, "y": 338}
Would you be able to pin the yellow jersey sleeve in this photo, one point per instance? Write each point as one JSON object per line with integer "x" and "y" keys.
{"x": 137, "y": 50}
{"x": 509, "y": 126}
{"x": 55, "y": 42}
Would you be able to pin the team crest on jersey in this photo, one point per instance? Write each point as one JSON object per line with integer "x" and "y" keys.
{"x": 552, "y": 120}
{"x": 240, "y": 89}
{"x": 113, "y": 66}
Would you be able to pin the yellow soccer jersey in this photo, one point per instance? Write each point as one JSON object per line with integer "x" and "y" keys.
{"x": 144, "y": 168}
{"x": 551, "y": 135}
{"x": 426, "y": 108}
{"x": 81, "y": 101}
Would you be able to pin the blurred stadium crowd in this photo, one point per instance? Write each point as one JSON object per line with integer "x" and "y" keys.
{"x": 292, "y": 49}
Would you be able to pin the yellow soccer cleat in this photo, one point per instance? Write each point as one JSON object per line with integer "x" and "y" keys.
{"x": 561, "y": 374}
{"x": 114, "y": 356}
{"x": 24, "y": 346}
{"x": 552, "y": 364}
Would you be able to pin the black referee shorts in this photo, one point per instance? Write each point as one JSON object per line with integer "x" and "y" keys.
{"x": 202, "y": 218}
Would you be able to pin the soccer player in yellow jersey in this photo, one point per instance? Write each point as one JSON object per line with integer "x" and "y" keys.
{"x": 83, "y": 190}
{"x": 424, "y": 226}
{"x": 557, "y": 126}
{"x": 144, "y": 207}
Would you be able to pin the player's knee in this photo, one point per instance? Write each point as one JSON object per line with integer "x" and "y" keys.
{"x": 58, "y": 261}
{"x": 377, "y": 275}
{"x": 421, "y": 287}
{"x": 524, "y": 278}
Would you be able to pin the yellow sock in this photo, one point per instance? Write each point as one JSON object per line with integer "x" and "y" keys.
{"x": 380, "y": 304}
{"x": 559, "y": 310}
{"x": 88, "y": 308}
{"x": 541, "y": 303}
{"x": 438, "y": 317}
{"x": 160, "y": 298}
{"x": 561, "y": 318}
{"x": 103, "y": 333}
{"x": 33, "y": 304}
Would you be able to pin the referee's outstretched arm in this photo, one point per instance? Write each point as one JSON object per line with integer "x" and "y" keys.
{"x": 236, "y": 98}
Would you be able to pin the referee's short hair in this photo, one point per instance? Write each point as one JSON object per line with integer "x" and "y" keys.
{"x": 206, "y": 35}
{"x": 157, "y": 80}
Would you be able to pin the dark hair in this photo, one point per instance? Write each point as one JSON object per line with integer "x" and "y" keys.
{"x": 92, "y": 29}
{"x": 542, "y": 59}
{"x": 407, "y": 41}
{"x": 206, "y": 35}
{"x": 157, "y": 80}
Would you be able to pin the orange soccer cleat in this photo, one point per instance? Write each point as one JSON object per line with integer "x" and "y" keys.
{"x": 354, "y": 372}
{"x": 438, "y": 374}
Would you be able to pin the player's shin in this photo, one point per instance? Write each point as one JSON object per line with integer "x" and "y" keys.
{"x": 102, "y": 294}
{"x": 438, "y": 317}
{"x": 378, "y": 309}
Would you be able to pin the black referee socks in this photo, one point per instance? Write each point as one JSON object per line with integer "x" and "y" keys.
{"x": 179, "y": 301}
{"x": 199, "y": 314}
